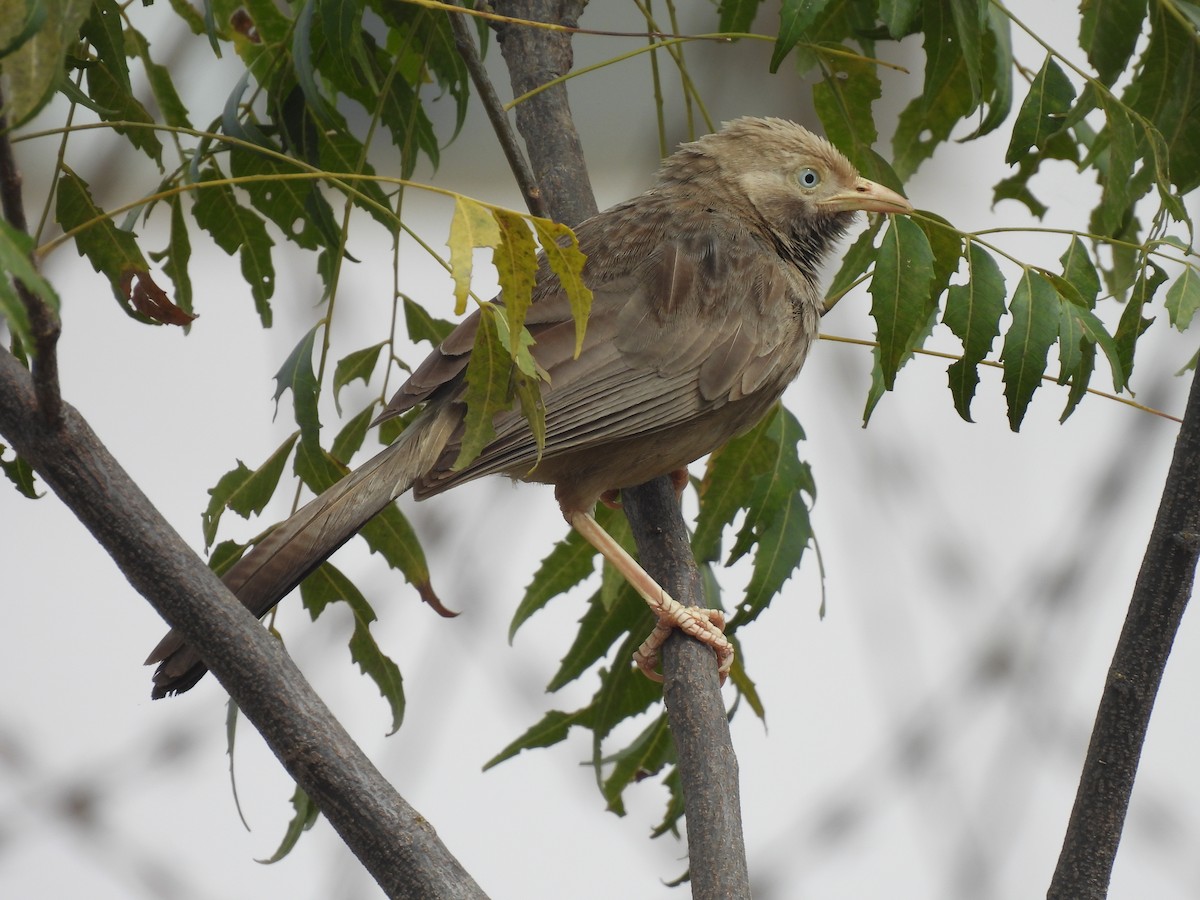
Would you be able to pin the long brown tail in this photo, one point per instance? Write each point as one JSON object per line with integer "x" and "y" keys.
{"x": 266, "y": 574}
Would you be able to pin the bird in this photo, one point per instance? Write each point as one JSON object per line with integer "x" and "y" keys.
{"x": 706, "y": 300}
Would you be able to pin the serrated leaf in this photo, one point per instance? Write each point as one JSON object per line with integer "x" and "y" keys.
{"x": 1079, "y": 271}
{"x": 569, "y": 562}
{"x": 1132, "y": 323}
{"x": 515, "y": 258}
{"x": 844, "y": 100}
{"x": 947, "y": 246}
{"x": 112, "y": 252}
{"x": 1079, "y": 324}
{"x": 16, "y": 265}
{"x": 602, "y": 626}
{"x": 550, "y": 730}
{"x": 900, "y": 292}
{"x": 20, "y": 473}
{"x": 560, "y": 249}
{"x": 167, "y": 99}
{"x": 296, "y": 207}
{"x": 1183, "y": 298}
{"x": 489, "y": 382}
{"x": 237, "y": 229}
{"x": 645, "y": 755}
{"x": 736, "y": 16}
{"x": 795, "y": 19}
{"x": 353, "y": 434}
{"x": 1033, "y": 329}
{"x": 421, "y": 326}
{"x": 245, "y": 492}
{"x": 359, "y": 365}
{"x": 177, "y": 255}
{"x": 898, "y": 15}
{"x": 297, "y": 374}
{"x": 1108, "y": 32}
{"x": 1042, "y": 114}
{"x": 928, "y": 120}
{"x": 472, "y": 225}
{"x": 855, "y": 262}
{"x": 116, "y": 104}
{"x": 1016, "y": 187}
{"x": 973, "y": 312}
{"x": 35, "y": 66}
{"x": 1115, "y": 168}
{"x": 997, "y": 72}
{"x": 328, "y": 585}
{"x": 304, "y": 817}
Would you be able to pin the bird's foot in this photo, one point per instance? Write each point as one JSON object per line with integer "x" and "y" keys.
{"x": 705, "y": 625}
{"x": 679, "y": 480}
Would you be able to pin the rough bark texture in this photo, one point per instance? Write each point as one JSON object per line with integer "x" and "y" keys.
{"x": 1160, "y": 596}
{"x": 707, "y": 764}
{"x": 397, "y": 846}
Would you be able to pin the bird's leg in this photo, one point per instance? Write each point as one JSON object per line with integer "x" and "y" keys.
{"x": 705, "y": 625}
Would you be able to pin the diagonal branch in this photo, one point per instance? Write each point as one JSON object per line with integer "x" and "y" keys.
{"x": 396, "y": 844}
{"x": 1160, "y": 596}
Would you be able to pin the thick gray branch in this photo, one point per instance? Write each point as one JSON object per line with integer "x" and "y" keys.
{"x": 707, "y": 764}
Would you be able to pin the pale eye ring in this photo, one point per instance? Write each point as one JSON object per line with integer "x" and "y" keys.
{"x": 808, "y": 177}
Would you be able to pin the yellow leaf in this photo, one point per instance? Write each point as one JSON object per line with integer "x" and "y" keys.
{"x": 473, "y": 226}
{"x": 566, "y": 261}
{"x": 516, "y": 265}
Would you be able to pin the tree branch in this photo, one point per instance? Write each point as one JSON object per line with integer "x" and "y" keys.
{"x": 707, "y": 764}
{"x": 43, "y": 321}
{"x": 1160, "y": 596}
{"x": 397, "y": 845}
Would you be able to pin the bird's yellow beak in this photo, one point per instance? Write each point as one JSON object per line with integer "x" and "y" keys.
{"x": 869, "y": 197}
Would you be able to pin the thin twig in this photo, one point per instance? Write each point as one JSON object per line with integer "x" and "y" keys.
{"x": 499, "y": 118}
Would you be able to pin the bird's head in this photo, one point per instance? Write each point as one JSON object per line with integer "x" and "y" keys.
{"x": 785, "y": 171}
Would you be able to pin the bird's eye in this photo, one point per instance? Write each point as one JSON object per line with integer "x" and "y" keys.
{"x": 809, "y": 178}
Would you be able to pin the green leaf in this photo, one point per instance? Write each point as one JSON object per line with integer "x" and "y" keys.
{"x": 569, "y": 562}
{"x": 1183, "y": 298}
{"x": 1166, "y": 91}
{"x": 1079, "y": 271}
{"x": 176, "y": 256}
{"x": 997, "y": 72}
{"x": 421, "y": 326}
{"x": 35, "y": 66}
{"x": 489, "y": 380}
{"x": 353, "y": 434}
{"x": 1115, "y": 168}
{"x": 328, "y": 585}
{"x": 244, "y": 491}
{"x": 855, "y": 262}
{"x": 947, "y": 99}
{"x": 167, "y": 99}
{"x": 737, "y": 16}
{"x": 898, "y": 16}
{"x": 550, "y": 730}
{"x": 305, "y": 817}
{"x": 359, "y": 365}
{"x": 515, "y": 258}
{"x": 1132, "y": 323}
{"x": 795, "y": 18}
{"x": 602, "y": 626}
{"x": 16, "y": 265}
{"x": 20, "y": 473}
{"x": 112, "y": 252}
{"x": 296, "y": 207}
{"x": 560, "y": 249}
{"x": 646, "y": 755}
{"x": 297, "y": 374}
{"x": 1041, "y": 115}
{"x": 1108, "y": 32}
{"x": 1033, "y": 329}
{"x": 237, "y": 229}
{"x": 104, "y": 31}
{"x": 900, "y": 292}
{"x": 843, "y": 99}
{"x": 947, "y": 246}
{"x": 973, "y": 312}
